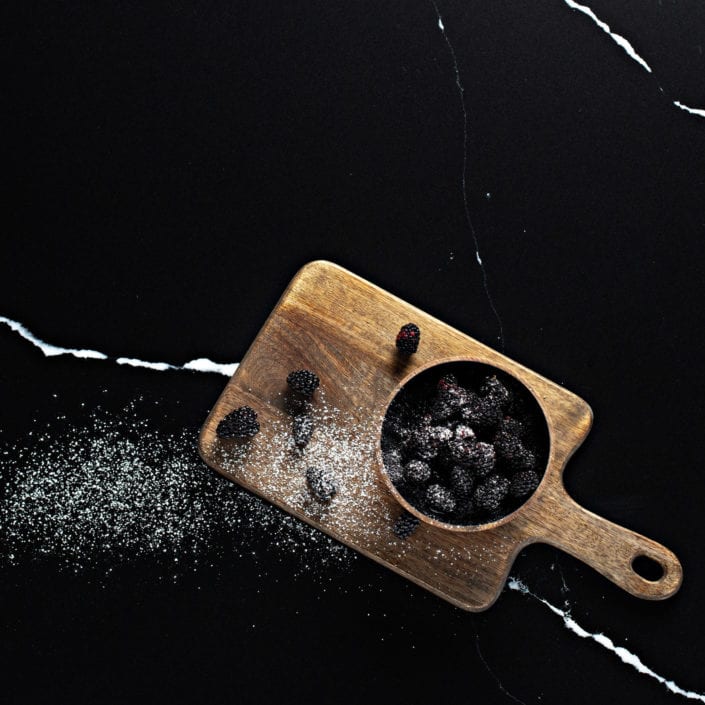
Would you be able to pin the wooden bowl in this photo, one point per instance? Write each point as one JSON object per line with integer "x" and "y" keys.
{"x": 343, "y": 327}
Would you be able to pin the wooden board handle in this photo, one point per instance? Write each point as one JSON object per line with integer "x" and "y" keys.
{"x": 610, "y": 549}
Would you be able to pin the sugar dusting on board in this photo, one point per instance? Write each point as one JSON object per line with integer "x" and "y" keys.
{"x": 117, "y": 489}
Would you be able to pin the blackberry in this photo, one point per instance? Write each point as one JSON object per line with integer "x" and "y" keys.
{"x": 461, "y": 450}
{"x": 483, "y": 414}
{"x": 417, "y": 472}
{"x": 513, "y": 452}
{"x": 303, "y": 429}
{"x": 450, "y": 398}
{"x": 303, "y": 381}
{"x": 322, "y": 483}
{"x": 480, "y": 457}
{"x": 393, "y": 466}
{"x": 461, "y": 483}
{"x": 493, "y": 389}
{"x": 408, "y": 339}
{"x": 405, "y": 525}
{"x": 523, "y": 483}
{"x": 512, "y": 426}
{"x": 489, "y": 495}
{"x": 241, "y": 423}
{"x": 427, "y": 441}
{"x": 440, "y": 499}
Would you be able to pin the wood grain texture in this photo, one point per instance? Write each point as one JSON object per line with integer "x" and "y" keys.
{"x": 343, "y": 327}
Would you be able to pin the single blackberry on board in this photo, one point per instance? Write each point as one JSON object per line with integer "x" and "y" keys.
{"x": 302, "y": 430}
{"x": 408, "y": 339}
{"x": 240, "y": 423}
{"x": 304, "y": 382}
{"x": 490, "y": 494}
{"x": 440, "y": 499}
{"x": 322, "y": 483}
{"x": 405, "y": 525}
{"x": 523, "y": 483}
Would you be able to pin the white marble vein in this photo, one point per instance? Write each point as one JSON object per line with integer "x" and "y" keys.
{"x": 692, "y": 111}
{"x": 618, "y": 38}
{"x": 624, "y": 655}
{"x": 200, "y": 364}
{"x": 463, "y": 181}
{"x": 628, "y": 48}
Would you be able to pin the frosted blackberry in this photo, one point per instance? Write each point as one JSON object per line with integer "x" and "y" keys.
{"x": 428, "y": 440}
{"x": 408, "y": 339}
{"x": 322, "y": 483}
{"x": 512, "y": 426}
{"x": 523, "y": 483}
{"x": 461, "y": 483}
{"x": 393, "y": 465}
{"x": 513, "y": 452}
{"x": 489, "y": 495}
{"x": 484, "y": 414}
{"x": 304, "y": 382}
{"x": 481, "y": 458}
{"x": 240, "y": 423}
{"x": 440, "y": 499}
{"x": 417, "y": 472}
{"x": 302, "y": 430}
{"x": 493, "y": 389}
{"x": 405, "y": 525}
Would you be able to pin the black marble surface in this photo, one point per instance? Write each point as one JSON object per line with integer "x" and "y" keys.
{"x": 172, "y": 165}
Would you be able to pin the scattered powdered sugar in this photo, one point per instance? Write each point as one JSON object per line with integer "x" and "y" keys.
{"x": 343, "y": 443}
{"x": 117, "y": 489}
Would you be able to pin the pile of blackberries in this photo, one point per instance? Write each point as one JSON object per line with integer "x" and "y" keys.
{"x": 465, "y": 453}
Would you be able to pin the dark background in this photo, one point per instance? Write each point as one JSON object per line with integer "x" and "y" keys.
{"x": 172, "y": 165}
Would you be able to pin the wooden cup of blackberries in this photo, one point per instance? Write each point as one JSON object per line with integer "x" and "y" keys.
{"x": 463, "y": 445}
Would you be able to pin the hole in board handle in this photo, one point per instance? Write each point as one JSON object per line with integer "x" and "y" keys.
{"x": 648, "y": 568}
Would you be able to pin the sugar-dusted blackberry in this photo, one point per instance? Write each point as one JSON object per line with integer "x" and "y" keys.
{"x": 303, "y": 381}
{"x": 479, "y": 457}
{"x": 493, "y": 389}
{"x": 484, "y": 414}
{"x": 450, "y": 398}
{"x": 405, "y": 525}
{"x": 398, "y": 427}
{"x": 417, "y": 472}
{"x": 463, "y": 432}
{"x": 461, "y": 483}
{"x": 461, "y": 449}
{"x": 322, "y": 483}
{"x": 523, "y": 483}
{"x": 513, "y": 452}
{"x": 440, "y": 499}
{"x": 302, "y": 430}
{"x": 428, "y": 440}
{"x": 489, "y": 495}
{"x": 393, "y": 465}
{"x": 408, "y": 339}
{"x": 512, "y": 426}
{"x": 240, "y": 423}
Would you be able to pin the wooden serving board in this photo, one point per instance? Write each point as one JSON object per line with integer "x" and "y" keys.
{"x": 343, "y": 327}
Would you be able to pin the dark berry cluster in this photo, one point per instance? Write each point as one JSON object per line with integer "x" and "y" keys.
{"x": 464, "y": 453}
{"x": 240, "y": 423}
